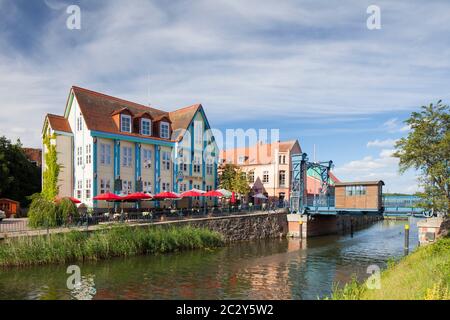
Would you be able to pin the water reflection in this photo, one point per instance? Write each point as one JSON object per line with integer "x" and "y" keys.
{"x": 273, "y": 269}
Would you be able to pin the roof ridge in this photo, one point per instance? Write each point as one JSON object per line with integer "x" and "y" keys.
{"x": 55, "y": 115}
{"x": 116, "y": 98}
{"x": 181, "y": 109}
{"x": 261, "y": 144}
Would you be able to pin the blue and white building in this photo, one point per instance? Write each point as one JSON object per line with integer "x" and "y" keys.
{"x": 107, "y": 144}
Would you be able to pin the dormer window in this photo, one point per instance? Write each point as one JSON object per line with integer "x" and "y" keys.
{"x": 164, "y": 130}
{"x": 146, "y": 127}
{"x": 125, "y": 123}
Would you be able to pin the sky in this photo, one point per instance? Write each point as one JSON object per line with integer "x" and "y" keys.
{"x": 311, "y": 69}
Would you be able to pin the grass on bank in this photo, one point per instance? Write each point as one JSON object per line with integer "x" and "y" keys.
{"x": 422, "y": 275}
{"x": 120, "y": 241}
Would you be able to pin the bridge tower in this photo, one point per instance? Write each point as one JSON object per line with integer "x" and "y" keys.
{"x": 300, "y": 167}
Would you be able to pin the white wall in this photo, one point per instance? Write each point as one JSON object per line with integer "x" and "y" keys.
{"x": 82, "y": 138}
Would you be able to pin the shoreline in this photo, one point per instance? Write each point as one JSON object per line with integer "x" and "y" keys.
{"x": 424, "y": 274}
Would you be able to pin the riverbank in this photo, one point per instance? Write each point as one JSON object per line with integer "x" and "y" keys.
{"x": 120, "y": 241}
{"x": 290, "y": 268}
{"x": 424, "y": 274}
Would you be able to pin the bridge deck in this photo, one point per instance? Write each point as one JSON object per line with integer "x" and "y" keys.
{"x": 390, "y": 211}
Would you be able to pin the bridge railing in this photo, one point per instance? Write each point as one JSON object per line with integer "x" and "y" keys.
{"x": 402, "y": 205}
{"x": 320, "y": 202}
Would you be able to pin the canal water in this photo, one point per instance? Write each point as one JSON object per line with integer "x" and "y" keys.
{"x": 270, "y": 269}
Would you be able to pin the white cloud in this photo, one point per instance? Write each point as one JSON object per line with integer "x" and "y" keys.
{"x": 381, "y": 143}
{"x": 243, "y": 60}
{"x": 393, "y": 125}
{"x": 383, "y": 167}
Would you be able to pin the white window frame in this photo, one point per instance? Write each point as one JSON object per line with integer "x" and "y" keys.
{"x": 144, "y": 120}
{"x": 127, "y": 186}
{"x": 164, "y": 123}
{"x": 147, "y": 162}
{"x": 88, "y": 188}
{"x": 79, "y": 156}
{"x": 127, "y": 158}
{"x": 198, "y": 132}
{"x": 105, "y": 154}
{"x": 266, "y": 174}
{"x": 79, "y": 122}
{"x": 88, "y": 154}
{"x": 166, "y": 160}
{"x": 166, "y": 187}
{"x": 209, "y": 166}
{"x": 79, "y": 189}
{"x": 122, "y": 117}
{"x": 282, "y": 178}
{"x": 197, "y": 164}
{"x": 251, "y": 176}
{"x": 105, "y": 185}
{"x": 147, "y": 186}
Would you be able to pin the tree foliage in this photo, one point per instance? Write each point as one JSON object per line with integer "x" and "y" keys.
{"x": 19, "y": 178}
{"x": 48, "y": 213}
{"x": 233, "y": 179}
{"x": 427, "y": 149}
{"x": 50, "y": 187}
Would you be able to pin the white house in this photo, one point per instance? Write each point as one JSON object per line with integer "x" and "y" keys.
{"x": 110, "y": 144}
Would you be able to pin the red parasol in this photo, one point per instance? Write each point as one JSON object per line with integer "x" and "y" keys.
{"x": 74, "y": 200}
{"x": 108, "y": 196}
{"x": 166, "y": 195}
{"x": 212, "y": 194}
{"x": 192, "y": 193}
{"x": 137, "y": 196}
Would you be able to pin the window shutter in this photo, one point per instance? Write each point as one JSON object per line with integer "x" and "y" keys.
{"x": 117, "y": 185}
{"x": 139, "y": 186}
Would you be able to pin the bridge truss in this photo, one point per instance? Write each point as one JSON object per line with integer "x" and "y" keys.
{"x": 300, "y": 167}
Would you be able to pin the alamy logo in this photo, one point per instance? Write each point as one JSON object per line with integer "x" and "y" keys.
{"x": 374, "y": 20}
{"x": 81, "y": 287}
{"x": 374, "y": 281}
{"x": 75, "y": 276}
{"x": 74, "y": 19}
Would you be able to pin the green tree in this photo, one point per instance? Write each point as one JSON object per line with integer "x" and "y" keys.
{"x": 427, "y": 149}
{"x": 50, "y": 188}
{"x": 19, "y": 178}
{"x": 233, "y": 179}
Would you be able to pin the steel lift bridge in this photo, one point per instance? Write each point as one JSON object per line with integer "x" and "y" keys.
{"x": 324, "y": 203}
{"x": 299, "y": 201}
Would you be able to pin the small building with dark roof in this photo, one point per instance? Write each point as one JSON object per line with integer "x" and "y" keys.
{"x": 10, "y": 207}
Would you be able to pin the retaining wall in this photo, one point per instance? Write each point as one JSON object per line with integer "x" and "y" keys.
{"x": 321, "y": 225}
{"x": 259, "y": 225}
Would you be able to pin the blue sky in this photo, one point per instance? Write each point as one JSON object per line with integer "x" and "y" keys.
{"x": 309, "y": 68}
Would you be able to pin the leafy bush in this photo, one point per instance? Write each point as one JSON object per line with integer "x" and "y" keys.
{"x": 44, "y": 213}
{"x": 67, "y": 212}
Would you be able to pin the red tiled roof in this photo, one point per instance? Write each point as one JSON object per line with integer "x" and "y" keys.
{"x": 258, "y": 153}
{"x": 181, "y": 118}
{"x": 334, "y": 178}
{"x": 58, "y": 123}
{"x": 33, "y": 154}
{"x": 98, "y": 108}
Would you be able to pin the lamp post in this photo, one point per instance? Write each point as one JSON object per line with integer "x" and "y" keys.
{"x": 406, "y": 247}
